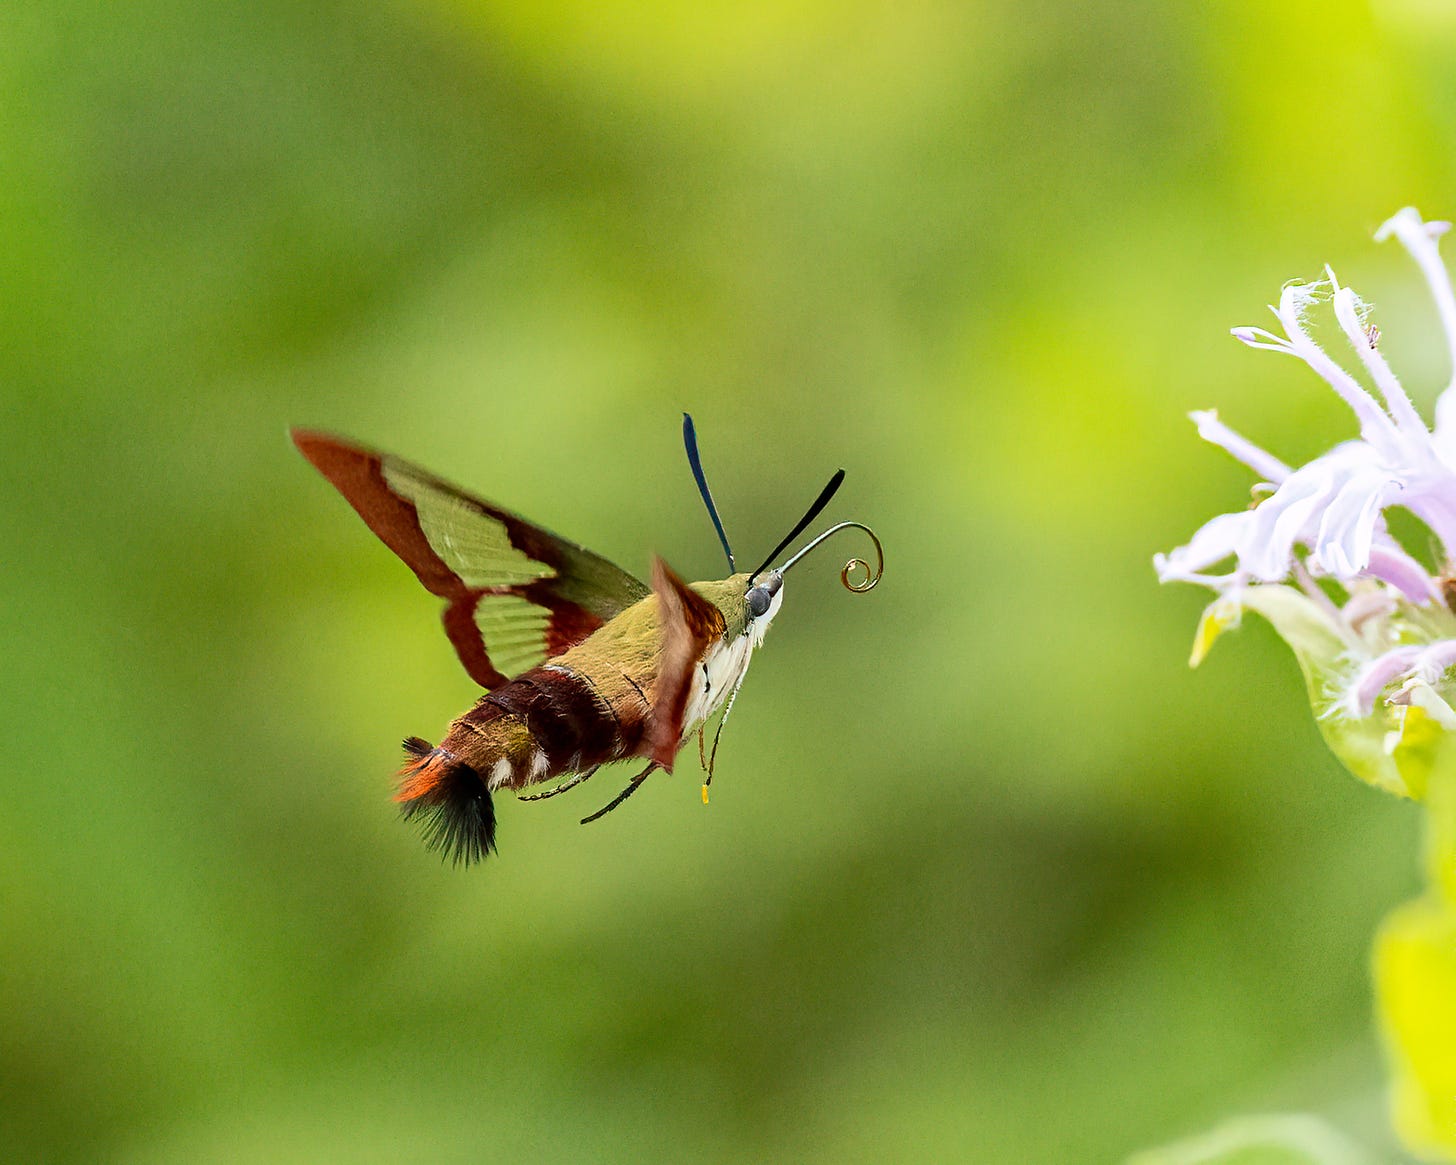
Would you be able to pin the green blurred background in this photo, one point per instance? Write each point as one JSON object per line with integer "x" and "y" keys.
{"x": 988, "y": 874}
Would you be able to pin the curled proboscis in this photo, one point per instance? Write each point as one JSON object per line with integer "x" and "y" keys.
{"x": 857, "y": 574}
{"x": 867, "y": 583}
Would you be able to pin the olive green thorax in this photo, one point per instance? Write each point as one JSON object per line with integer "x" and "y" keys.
{"x": 621, "y": 657}
{"x": 730, "y": 597}
{"x": 632, "y": 639}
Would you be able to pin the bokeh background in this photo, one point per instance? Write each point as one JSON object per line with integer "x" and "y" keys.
{"x": 988, "y": 875}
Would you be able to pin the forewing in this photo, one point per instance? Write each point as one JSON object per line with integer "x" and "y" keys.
{"x": 515, "y": 594}
{"x": 689, "y": 624}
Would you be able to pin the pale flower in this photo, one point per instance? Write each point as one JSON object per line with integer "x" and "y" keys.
{"x": 1371, "y": 625}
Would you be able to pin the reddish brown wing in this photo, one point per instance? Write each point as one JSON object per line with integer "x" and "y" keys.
{"x": 689, "y": 624}
{"x": 515, "y": 594}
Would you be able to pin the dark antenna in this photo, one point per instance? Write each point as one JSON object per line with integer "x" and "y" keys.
{"x": 690, "y": 439}
{"x": 819, "y": 503}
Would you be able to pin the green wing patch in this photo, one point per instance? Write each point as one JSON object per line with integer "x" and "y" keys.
{"x": 515, "y": 594}
{"x": 514, "y": 630}
{"x": 476, "y": 546}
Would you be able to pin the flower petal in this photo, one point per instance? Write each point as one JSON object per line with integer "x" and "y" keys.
{"x": 1347, "y": 527}
{"x": 1375, "y": 426}
{"x": 1376, "y": 676}
{"x": 1351, "y": 311}
{"x": 1393, "y": 565}
{"x": 1420, "y": 239}
{"x": 1280, "y": 521}
{"x": 1211, "y": 429}
{"x": 1217, "y": 539}
{"x": 1436, "y": 660}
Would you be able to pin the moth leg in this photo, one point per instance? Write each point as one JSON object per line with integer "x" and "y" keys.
{"x": 703, "y": 756}
{"x": 718, "y": 735}
{"x": 631, "y": 788}
{"x": 570, "y": 783}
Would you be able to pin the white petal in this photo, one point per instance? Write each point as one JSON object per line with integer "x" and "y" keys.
{"x": 1375, "y": 426}
{"x": 1260, "y": 338}
{"x": 1436, "y": 660}
{"x": 1211, "y": 429}
{"x": 1351, "y": 313}
{"x": 1389, "y": 563}
{"x": 1444, "y": 437}
{"x": 1214, "y": 541}
{"x": 1419, "y": 238}
{"x": 1347, "y": 528}
{"x": 1284, "y": 519}
{"x": 1375, "y": 676}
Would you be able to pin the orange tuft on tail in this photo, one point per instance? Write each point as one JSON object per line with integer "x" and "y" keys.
{"x": 420, "y": 776}
{"x": 451, "y": 800}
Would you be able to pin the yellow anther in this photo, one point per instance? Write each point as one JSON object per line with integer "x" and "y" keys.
{"x": 705, "y": 794}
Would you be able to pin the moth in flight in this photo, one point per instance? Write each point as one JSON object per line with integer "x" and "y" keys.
{"x": 582, "y": 663}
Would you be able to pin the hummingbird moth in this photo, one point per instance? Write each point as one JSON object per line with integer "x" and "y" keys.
{"x": 582, "y": 663}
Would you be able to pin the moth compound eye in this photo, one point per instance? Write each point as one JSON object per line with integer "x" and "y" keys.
{"x": 758, "y": 601}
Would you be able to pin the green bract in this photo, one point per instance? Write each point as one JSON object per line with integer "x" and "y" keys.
{"x": 1395, "y": 744}
{"x": 1294, "y": 1139}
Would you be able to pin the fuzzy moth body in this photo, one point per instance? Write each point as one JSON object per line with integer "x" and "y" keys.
{"x": 581, "y": 663}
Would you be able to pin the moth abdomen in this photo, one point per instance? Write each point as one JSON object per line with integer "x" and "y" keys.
{"x": 451, "y": 800}
{"x": 570, "y": 725}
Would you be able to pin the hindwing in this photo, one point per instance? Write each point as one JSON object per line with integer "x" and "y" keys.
{"x": 515, "y": 594}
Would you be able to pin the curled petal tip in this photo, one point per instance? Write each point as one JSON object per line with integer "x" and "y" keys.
{"x": 1408, "y": 218}
{"x": 1261, "y": 337}
{"x": 1388, "y": 227}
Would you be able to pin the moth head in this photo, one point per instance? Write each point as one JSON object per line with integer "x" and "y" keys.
{"x": 748, "y": 604}
{"x": 763, "y": 596}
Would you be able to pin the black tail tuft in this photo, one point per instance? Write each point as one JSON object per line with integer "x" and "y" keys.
{"x": 451, "y": 801}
